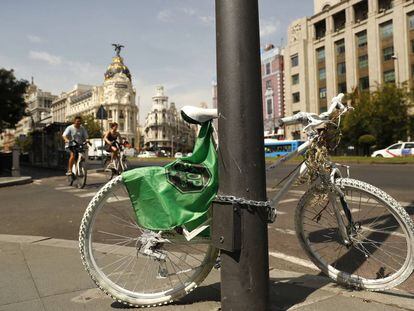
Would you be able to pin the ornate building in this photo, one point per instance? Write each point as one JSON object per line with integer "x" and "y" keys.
{"x": 164, "y": 128}
{"x": 38, "y": 110}
{"x": 117, "y": 95}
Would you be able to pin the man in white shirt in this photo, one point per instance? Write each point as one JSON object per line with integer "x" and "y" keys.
{"x": 74, "y": 133}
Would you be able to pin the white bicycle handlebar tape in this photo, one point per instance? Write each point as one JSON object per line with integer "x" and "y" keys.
{"x": 336, "y": 103}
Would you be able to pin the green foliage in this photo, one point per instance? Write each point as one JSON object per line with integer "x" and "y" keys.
{"x": 366, "y": 139}
{"x": 12, "y": 105}
{"x": 92, "y": 126}
{"x": 382, "y": 114}
{"x": 24, "y": 143}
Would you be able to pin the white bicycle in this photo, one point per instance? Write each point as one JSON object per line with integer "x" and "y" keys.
{"x": 114, "y": 167}
{"x": 79, "y": 169}
{"x": 354, "y": 232}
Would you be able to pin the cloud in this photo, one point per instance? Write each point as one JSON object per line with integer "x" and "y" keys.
{"x": 164, "y": 16}
{"x": 188, "y": 11}
{"x": 34, "y": 39}
{"x": 208, "y": 20}
{"x": 46, "y": 57}
{"x": 268, "y": 27}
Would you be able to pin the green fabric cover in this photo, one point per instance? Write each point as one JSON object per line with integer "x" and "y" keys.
{"x": 179, "y": 193}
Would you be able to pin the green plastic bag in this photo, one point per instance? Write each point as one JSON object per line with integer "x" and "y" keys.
{"x": 179, "y": 193}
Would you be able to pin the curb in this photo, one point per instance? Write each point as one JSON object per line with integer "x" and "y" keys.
{"x": 14, "y": 181}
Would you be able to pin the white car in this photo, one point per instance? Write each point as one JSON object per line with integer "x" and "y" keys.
{"x": 147, "y": 154}
{"x": 399, "y": 149}
{"x": 178, "y": 155}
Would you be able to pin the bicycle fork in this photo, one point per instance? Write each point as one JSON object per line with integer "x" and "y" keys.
{"x": 345, "y": 230}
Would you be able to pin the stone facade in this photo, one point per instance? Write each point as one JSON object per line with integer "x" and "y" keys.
{"x": 165, "y": 128}
{"x": 347, "y": 44}
{"x": 38, "y": 110}
{"x": 117, "y": 95}
{"x": 272, "y": 87}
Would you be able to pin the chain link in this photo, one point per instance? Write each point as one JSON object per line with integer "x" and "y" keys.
{"x": 271, "y": 211}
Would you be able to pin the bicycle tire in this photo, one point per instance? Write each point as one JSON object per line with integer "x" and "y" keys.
{"x": 103, "y": 280}
{"x": 81, "y": 180}
{"x": 351, "y": 279}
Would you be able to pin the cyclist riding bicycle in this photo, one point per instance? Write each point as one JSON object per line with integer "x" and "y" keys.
{"x": 111, "y": 138}
{"x": 74, "y": 134}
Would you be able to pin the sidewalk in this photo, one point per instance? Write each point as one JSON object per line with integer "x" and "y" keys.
{"x": 40, "y": 273}
{"x": 13, "y": 181}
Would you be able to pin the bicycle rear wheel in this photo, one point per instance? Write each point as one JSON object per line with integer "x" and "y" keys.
{"x": 381, "y": 252}
{"x": 111, "y": 245}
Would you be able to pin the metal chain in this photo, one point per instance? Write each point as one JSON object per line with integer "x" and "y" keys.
{"x": 271, "y": 211}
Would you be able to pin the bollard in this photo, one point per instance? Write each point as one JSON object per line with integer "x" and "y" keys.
{"x": 16, "y": 161}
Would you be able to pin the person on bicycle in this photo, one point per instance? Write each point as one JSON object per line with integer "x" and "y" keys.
{"x": 74, "y": 133}
{"x": 111, "y": 137}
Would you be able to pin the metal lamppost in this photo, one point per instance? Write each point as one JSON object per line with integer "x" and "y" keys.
{"x": 102, "y": 115}
{"x": 241, "y": 231}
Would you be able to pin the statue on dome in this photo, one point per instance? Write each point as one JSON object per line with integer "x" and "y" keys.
{"x": 117, "y": 48}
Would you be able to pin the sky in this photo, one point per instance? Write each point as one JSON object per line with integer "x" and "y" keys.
{"x": 167, "y": 42}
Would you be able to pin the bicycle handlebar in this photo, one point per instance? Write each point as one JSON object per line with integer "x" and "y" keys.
{"x": 302, "y": 117}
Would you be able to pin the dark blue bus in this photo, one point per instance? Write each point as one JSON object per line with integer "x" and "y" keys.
{"x": 277, "y": 148}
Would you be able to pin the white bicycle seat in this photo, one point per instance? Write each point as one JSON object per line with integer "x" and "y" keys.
{"x": 196, "y": 115}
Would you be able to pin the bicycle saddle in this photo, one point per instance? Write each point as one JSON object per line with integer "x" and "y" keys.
{"x": 197, "y": 115}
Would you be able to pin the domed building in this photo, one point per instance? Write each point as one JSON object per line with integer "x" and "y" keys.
{"x": 165, "y": 129}
{"x": 117, "y": 95}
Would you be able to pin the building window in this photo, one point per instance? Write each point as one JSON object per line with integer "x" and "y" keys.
{"x": 322, "y": 92}
{"x": 386, "y": 30}
{"x": 361, "y": 11}
{"x": 411, "y": 21}
{"x": 412, "y": 72}
{"x": 362, "y": 39}
{"x": 268, "y": 69}
{"x": 268, "y": 84}
{"x": 341, "y": 68}
{"x": 294, "y": 60}
{"x": 363, "y": 61}
{"x": 269, "y": 103}
{"x": 320, "y": 54}
{"x": 388, "y": 53}
{"x": 364, "y": 83}
{"x": 320, "y": 29}
{"x": 342, "y": 87}
{"x": 322, "y": 74}
{"x": 110, "y": 114}
{"x": 384, "y": 5}
{"x": 296, "y": 97}
{"x": 339, "y": 20}
{"x": 389, "y": 76}
{"x": 340, "y": 46}
{"x": 295, "y": 79}
{"x": 412, "y": 46}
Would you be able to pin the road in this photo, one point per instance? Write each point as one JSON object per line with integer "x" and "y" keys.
{"x": 48, "y": 207}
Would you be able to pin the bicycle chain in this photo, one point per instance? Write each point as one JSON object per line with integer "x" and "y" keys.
{"x": 271, "y": 210}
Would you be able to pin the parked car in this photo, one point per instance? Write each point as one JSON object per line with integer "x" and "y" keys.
{"x": 178, "y": 155}
{"x": 130, "y": 152}
{"x": 96, "y": 150}
{"x": 147, "y": 154}
{"x": 399, "y": 149}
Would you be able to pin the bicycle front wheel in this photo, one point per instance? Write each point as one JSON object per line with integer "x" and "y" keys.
{"x": 113, "y": 252}
{"x": 380, "y": 255}
{"x": 81, "y": 175}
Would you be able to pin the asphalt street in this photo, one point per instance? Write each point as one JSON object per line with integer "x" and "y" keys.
{"x": 49, "y": 207}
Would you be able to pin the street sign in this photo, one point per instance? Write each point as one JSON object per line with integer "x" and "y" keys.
{"x": 101, "y": 114}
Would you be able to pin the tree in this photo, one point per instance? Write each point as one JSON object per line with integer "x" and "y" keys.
{"x": 366, "y": 141}
{"x": 92, "y": 126}
{"x": 382, "y": 114}
{"x": 12, "y": 104}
